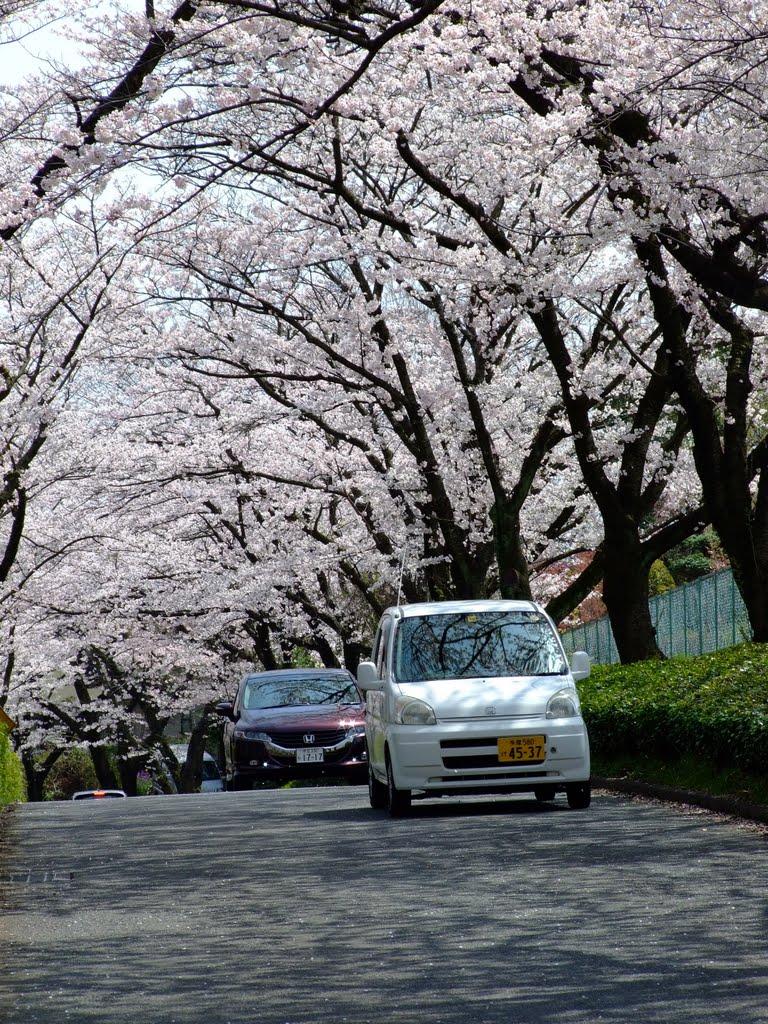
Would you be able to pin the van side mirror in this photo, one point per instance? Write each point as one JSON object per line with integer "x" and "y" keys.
{"x": 368, "y": 676}
{"x": 581, "y": 665}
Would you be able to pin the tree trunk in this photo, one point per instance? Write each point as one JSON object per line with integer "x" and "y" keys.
{"x": 721, "y": 436}
{"x": 750, "y": 571}
{"x": 103, "y": 769}
{"x": 129, "y": 770}
{"x": 354, "y": 653}
{"x": 625, "y": 592}
{"x": 191, "y": 776}
{"x": 754, "y": 591}
{"x": 514, "y": 582}
{"x": 37, "y": 773}
{"x": 564, "y": 602}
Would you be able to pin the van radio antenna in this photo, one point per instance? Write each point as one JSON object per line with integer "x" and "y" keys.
{"x": 400, "y": 581}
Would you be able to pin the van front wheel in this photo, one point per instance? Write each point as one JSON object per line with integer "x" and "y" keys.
{"x": 377, "y": 791}
{"x": 579, "y": 795}
{"x": 398, "y": 800}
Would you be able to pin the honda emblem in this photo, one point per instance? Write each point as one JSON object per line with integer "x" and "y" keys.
{"x": 309, "y": 737}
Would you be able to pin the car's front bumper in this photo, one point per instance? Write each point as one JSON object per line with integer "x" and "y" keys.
{"x": 463, "y": 756}
{"x": 268, "y": 759}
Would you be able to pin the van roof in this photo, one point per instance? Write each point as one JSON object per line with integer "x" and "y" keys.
{"x": 457, "y": 607}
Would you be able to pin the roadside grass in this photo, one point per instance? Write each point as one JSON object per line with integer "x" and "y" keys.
{"x": 688, "y": 773}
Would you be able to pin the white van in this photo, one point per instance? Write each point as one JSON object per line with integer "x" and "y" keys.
{"x": 470, "y": 697}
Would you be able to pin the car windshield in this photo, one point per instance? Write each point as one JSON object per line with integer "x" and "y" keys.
{"x": 274, "y": 692}
{"x": 471, "y": 644}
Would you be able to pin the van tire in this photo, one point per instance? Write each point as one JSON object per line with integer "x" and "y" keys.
{"x": 579, "y": 795}
{"x": 377, "y": 791}
{"x": 398, "y": 800}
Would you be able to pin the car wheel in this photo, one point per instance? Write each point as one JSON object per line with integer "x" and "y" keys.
{"x": 544, "y": 793}
{"x": 398, "y": 800}
{"x": 377, "y": 791}
{"x": 579, "y": 795}
{"x": 240, "y": 782}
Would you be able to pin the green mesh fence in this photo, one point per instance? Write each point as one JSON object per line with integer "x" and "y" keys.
{"x": 700, "y": 617}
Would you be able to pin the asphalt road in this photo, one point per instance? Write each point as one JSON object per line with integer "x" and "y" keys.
{"x": 298, "y": 906}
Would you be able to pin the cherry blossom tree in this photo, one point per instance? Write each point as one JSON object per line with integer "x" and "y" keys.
{"x": 672, "y": 108}
{"x": 412, "y": 380}
{"x": 56, "y": 285}
{"x": 408, "y": 201}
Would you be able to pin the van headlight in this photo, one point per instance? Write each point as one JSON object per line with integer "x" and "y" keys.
{"x": 563, "y": 704}
{"x": 412, "y": 711}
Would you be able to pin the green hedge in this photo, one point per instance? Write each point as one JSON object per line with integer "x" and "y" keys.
{"x": 73, "y": 770}
{"x": 12, "y": 785}
{"x": 713, "y": 707}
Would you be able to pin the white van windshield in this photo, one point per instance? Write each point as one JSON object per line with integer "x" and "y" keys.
{"x": 471, "y": 644}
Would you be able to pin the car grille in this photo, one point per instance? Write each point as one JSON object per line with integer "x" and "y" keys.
{"x": 473, "y": 762}
{"x": 489, "y": 741}
{"x": 324, "y": 738}
{"x": 474, "y": 753}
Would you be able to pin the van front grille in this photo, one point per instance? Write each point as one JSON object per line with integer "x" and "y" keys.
{"x": 478, "y": 761}
{"x": 489, "y": 741}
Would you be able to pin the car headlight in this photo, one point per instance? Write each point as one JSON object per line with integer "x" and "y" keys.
{"x": 412, "y": 711}
{"x": 355, "y": 730}
{"x": 250, "y": 734}
{"x": 563, "y": 704}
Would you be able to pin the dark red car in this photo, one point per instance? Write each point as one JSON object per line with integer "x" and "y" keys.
{"x": 294, "y": 723}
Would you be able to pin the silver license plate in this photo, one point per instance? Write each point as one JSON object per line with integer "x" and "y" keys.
{"x": 309, "y": 755}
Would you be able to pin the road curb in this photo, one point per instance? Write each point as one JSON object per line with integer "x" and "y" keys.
{"x": 721, "y": 804}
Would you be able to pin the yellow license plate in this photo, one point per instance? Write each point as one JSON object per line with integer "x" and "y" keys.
{"x": 528, "y": 749}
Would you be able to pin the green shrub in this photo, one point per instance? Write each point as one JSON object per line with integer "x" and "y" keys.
{"x": 660, "y": 579}
{"x": 12, "y": 785}
{"x": 694, "y": 557}
{"x": 73, "y": 771}
{"x": 714, "y": 707}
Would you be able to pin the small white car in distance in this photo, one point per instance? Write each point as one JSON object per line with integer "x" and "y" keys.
{"x": 468, "y": 697}
{"x": 98, "y": 794}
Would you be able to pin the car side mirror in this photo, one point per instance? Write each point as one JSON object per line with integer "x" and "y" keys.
{"x": 581, "y": 665}
{"x": 225, "y": 708}
{"x": 368, "y": 676}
